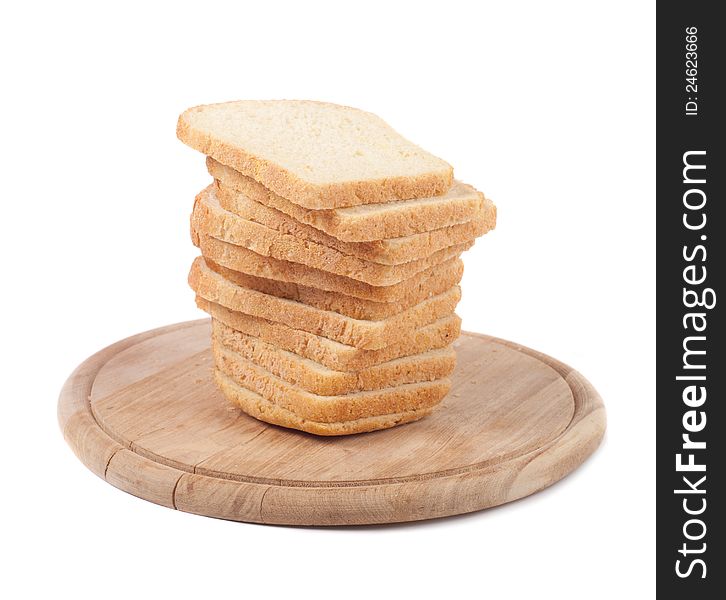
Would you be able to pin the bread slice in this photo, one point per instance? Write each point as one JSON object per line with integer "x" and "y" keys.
{"x": 370, "y": 335}
{"x": 258, "y": 407}
{"x": 317, "y": 154}
{"x": 210, "y": 220}
{"x": 368, "y": 223}
{"x": 433, "y": 280}
{"x": 356, "y": 308}
{"x": 393, "y": 251}
{"x": 319, "y": 379}
{"x": 327, "y": 352}
{"x": 328, "y": 409}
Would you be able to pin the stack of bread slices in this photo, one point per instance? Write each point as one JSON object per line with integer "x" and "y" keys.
{"x": 330, "y": 263}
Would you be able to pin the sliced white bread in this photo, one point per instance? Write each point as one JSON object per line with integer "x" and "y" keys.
{"x": 265, "y": 410}
{"x": 319, "y": 379}
{"x": 208, "y": 219}
{"x": 370, "y": 335}
{"x": 316, "y": 154}
{"x": 357, "y": 308}
{"x": 393, "y": 251}
{"x": 239, "y": 258}
{"x": 328, "y": 409}
{"x": 330, "y": 353}
{"x": 366, "y": 223}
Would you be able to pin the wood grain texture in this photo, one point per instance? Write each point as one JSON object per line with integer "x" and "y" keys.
{"x": 145, "y": 415}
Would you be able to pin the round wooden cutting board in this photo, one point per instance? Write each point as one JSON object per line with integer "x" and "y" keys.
{"x": 145, "y": 415}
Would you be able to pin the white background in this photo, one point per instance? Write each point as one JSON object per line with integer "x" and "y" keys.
{"x": 546, "y": 107}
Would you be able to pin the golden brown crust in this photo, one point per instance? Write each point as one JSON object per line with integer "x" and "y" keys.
{"x": 356, "y": 308}
{"x": 237, "y": 232}
{"x": 364, "y": 334}
{"x": 388, "y": 252}
{"x": 318, "y": 379}
{"x": 422, "y": 284}
{"x": 256, "y": 406}
{"x": 328, "y": 409}
{"x": 398, "y": 220}
{"x": 330, "y": 353}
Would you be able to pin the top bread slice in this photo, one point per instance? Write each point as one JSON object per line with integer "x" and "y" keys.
{"x": 315, "y": 154}
{"x": 368, "y": 223}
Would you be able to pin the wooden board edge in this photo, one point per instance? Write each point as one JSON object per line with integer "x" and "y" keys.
{"x": 396, "y": 502}
{"x": 93, "y": 446}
